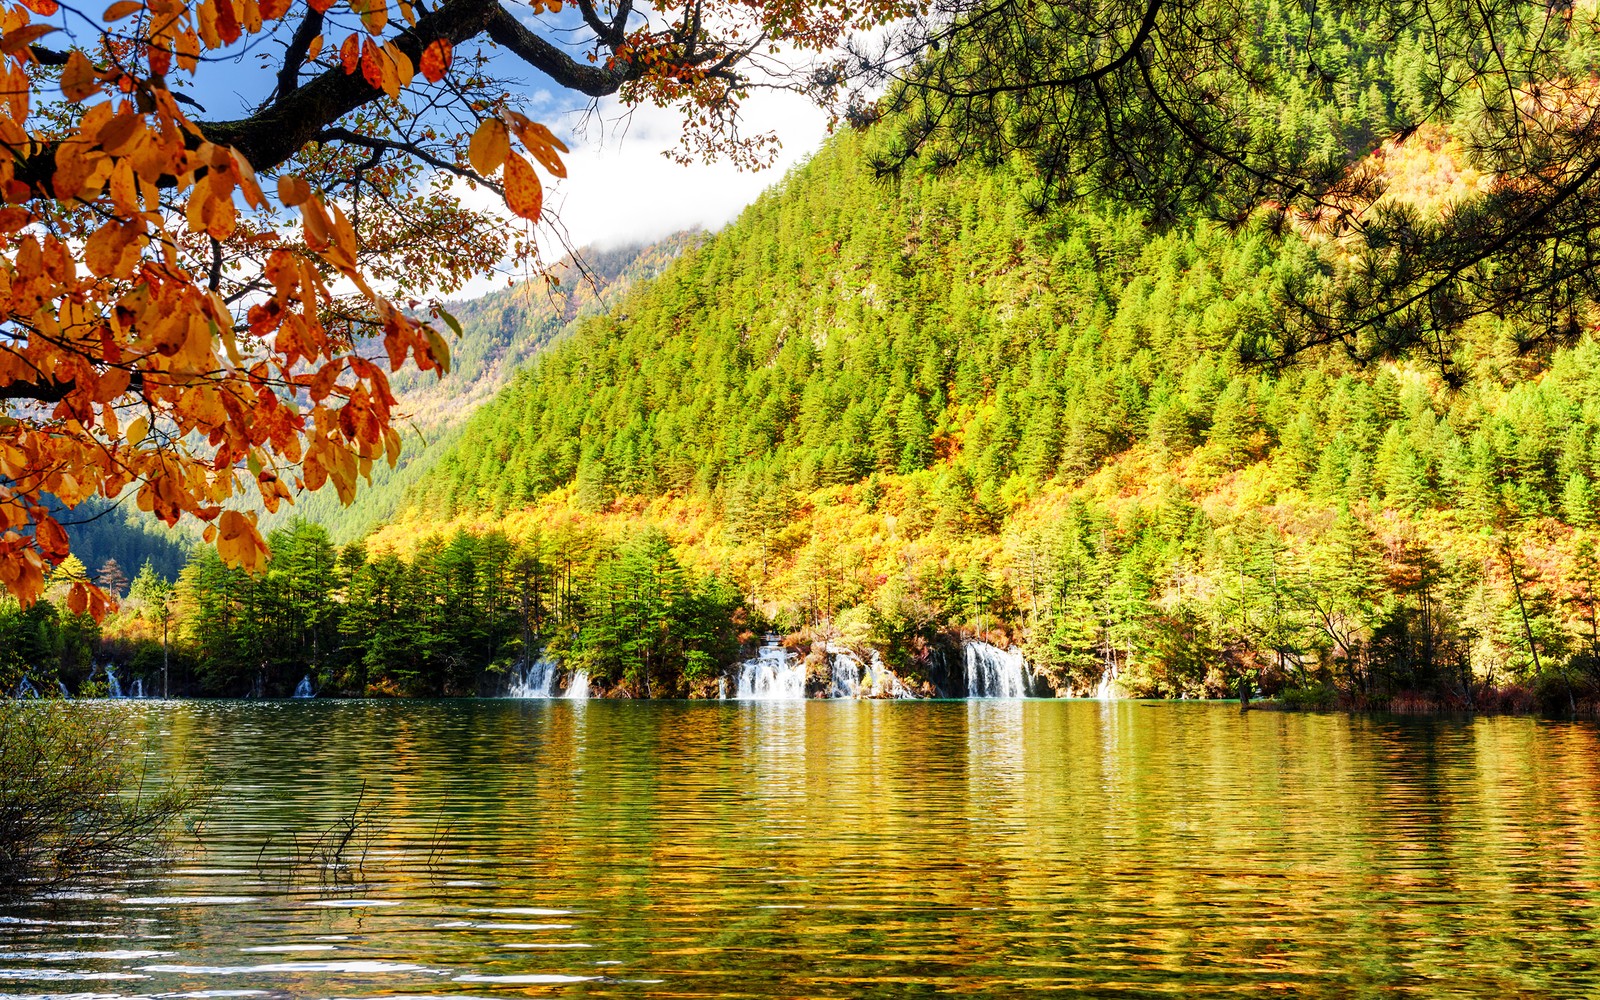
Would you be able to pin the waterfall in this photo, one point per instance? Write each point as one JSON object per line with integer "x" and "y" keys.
{"x": 722, "y": 689}
{"x": 25, "y": 689}
{"x": 63, "y": 686}
{"x": 303, "y": 689}
{"x": 773, "y": 675}
{"x": 878, "y": 681}
{"x": 113, "y": 686}
{"x": 138, "y": 688}
{"x": 844, "y": 675}
{"x": 578, "y": 686}
{"x": 1106, "y": 690}
{"x": 993, "y": 672}
{"x": 534, "y": 680}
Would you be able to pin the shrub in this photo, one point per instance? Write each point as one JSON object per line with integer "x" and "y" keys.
{"x": 72, "y": 806}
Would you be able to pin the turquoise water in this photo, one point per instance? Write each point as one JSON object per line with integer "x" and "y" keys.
{"x": 847, "y": 849}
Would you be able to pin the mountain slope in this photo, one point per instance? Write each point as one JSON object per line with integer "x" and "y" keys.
{"x": 499, "y": 333}
{"x": 890, "y": 411}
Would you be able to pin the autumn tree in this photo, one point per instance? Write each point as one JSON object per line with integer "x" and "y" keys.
{"x": 181, "y": 334}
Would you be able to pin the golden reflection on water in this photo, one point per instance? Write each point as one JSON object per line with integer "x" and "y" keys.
{"x": 854, "y": 849}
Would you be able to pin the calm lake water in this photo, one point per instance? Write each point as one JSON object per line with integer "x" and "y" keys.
{"x": 848, "y": 849}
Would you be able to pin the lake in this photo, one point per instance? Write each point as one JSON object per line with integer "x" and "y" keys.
{"x": 848, "y": 849}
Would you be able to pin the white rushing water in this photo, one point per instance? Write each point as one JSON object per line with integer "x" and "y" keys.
{"x": 992, "y": 672}
{"x": 26, "y": 689}
{"x": 848, "y": 678}
{"x": 63, "y": 686}
{"x": 534, "y": 680}
{"x": 303, "y": 689}
{"x": 774, "y": 675}
{"x": 113, "y": 686}
{"x": 1106, "y": 689}
{"x": 878, "y": 681}
{"x": 578, "y": 687}
{"x": 844, "y": 675}
{"x": 137, "y": 691}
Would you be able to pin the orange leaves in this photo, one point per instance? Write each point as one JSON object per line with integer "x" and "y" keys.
{"x": 292, "y": 190}
{"x": 436, "y": 60}
{"x": 490, "y": 145}
{"x": 239, "y": 542}
{"x": 14, "y": 41}
{"x": 21, "y": 568}
{"x": 374, "y": 14}
{"x": 371, "y": 66}
{"x": 113, "y": 250}
{"x": 156, "y": 384}
{"x": 79, "y": 81}
{"x": 524, "y": 193}
{"x": 490, "y": 149}
{"x": 541, "y": 143}
{"x": 50, "y": 536}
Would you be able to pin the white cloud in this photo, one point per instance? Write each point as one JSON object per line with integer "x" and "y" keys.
{"x": 621, "y": 189}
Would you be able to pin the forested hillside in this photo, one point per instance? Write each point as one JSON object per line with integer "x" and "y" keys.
{"x": 887, "y": 411}
{"x": 499, "y": 333}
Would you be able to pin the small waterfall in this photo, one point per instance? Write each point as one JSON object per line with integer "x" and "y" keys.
{"x": 773, "y": 675}
{"x": 137, "y": 691}
{"x": 63, "y": 686}
{"x": 993, "y": 672}
{"x": 722, "y": 689}
{"x": 1106, "y": 689}
{"x": 113, "y": 686}
{"x": 25, "y": 689}
{"x": 878, "y": 681}
{"x": 303, "y": 689}
{"x": 578, "y": 687}
{"x": 534, "y": 680}
{"x": 844, "y": 675}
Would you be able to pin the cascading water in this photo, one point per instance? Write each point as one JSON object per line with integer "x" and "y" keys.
{"x": 578, "y": 687}
{"x": 774, "y": 675}
{"x": 25, "y": 689}
{"x": 534, "y": 680}
{"x": 844, "y": 675}
{"x": 303, "y": 689}
{"x": 63, "y": 686}
{"x": 113, "y": 686}
{"x": 993, "y": 672}
{"x": 722, "y": 689}
{"x": 137, "y": 691}
{"x": 1106, "y": 689}
{"x": 878, "y": 681}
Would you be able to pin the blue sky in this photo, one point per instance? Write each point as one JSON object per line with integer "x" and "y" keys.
{"x": 620, "y": 188}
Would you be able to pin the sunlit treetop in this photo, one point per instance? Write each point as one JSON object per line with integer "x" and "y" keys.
{"x": 199, "y": 308}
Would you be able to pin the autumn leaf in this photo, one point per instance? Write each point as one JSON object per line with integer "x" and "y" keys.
{"x": 372, "y": 63}
{"x": 44, "y": 8}
{"x": 490, "y": 145}
{"x": 540, "y": 142}
{"x": 15, "y": 41}
{"x": 524, "y": 193}
{"x": 350, "y": 54}
{"x": 239, "y": 542}
{"x": 78, "y": 77}
{"x": 436, "y": 60}
{"x": 121, "y": 9}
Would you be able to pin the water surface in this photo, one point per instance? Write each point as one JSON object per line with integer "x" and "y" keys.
{"x": 849, "y": 849}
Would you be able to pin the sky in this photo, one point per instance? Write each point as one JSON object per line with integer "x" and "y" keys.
{"x": 620, "y": 188}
